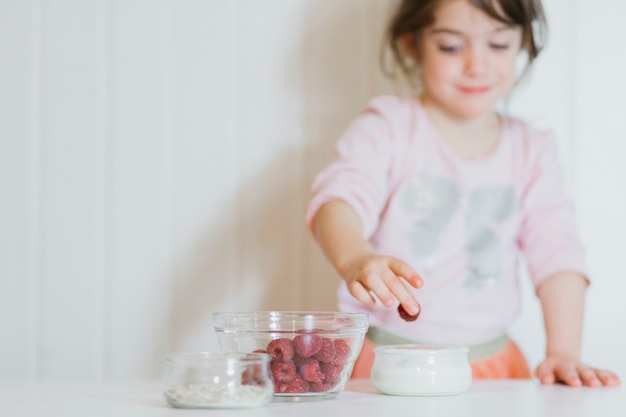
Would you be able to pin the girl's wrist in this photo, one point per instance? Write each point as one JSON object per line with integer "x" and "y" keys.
{"x": 563, "y": 352}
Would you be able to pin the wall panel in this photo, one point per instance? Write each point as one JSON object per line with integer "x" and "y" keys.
{"x": 205, "y": 168}
{"x": 19, "y": 184}
{"x": 140, "y": 140}
{"x": 68, "y": 164}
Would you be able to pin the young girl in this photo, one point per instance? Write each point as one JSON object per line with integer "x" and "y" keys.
{"x": 433, "y": 198}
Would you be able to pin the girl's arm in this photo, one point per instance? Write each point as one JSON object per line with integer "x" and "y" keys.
{"x": 562, "y": 300}
{"x": 339, "y": 232}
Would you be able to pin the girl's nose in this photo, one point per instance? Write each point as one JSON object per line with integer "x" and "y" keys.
{"x": 475, "y": 61}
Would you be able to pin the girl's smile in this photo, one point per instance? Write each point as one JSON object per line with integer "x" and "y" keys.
{"x": 474, "y": 90}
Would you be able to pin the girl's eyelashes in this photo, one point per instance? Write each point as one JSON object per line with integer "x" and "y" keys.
{"x": 452, "y": 49}
{"x": 449, "y": 49}
{"x": 499, "y": 46}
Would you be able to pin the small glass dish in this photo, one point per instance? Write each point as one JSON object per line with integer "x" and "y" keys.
{"x": 313, "y": 353}
{"x": 217, "y": 380}
{"x": 421, "y": 370}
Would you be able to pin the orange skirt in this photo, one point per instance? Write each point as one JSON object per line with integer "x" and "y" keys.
{"x": 507, "y": 363}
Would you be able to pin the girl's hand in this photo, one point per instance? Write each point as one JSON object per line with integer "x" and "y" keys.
{"x": 574, "y": 373}
{"x": 385, "y": 277}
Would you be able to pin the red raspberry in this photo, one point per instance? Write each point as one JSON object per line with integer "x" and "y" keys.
{"x": 342, "y": 351}
{"x": 327, "y": 352}
{"x": 320, "y": 386}
{"x": 311, "y": 371}
{"x": 307, "y": 345}
{"x": 283, "y": 372}
{"x": 406, "y": 316}
{"x": 309, "y": 331}
{"x": 331, "y": 370}
{"x": 299, "y": 360}
{"x": 297, "y": 385}
{"x": 280, "y": 387}
{"x": 280, "y": 349}
{"x": 252, "y": 375}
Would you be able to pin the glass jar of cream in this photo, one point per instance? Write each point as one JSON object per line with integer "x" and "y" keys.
{"x": 421, "y": 370}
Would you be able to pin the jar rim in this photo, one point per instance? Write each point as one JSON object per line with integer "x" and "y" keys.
{"x": 416, "y": 349}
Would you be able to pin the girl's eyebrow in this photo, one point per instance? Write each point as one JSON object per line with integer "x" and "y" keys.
{"x": 459, "y": 33}
{"x": 447, "y": 31}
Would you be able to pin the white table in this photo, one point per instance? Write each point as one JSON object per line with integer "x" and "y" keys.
{"x": 501, "y": 398}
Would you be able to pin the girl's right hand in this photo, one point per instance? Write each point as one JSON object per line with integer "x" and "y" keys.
{"x": 384, "y": 277}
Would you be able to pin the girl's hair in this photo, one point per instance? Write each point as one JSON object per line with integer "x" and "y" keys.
{"x": 411, "y": 16}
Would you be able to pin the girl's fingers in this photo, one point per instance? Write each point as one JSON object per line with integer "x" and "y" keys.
{"x": 569, "y": 375}
{"x": 575, "y": 374}
{"x": 375, "y": 283}
{"x": 607, "y": 378}
{"x": 405, "y": 297}
{"x": 588, "y": 376}
{"x": 392, "y": 282}
{"x": 361, "y": 293}
{"x": 405, "y": 271}
{"x": 545, "y": 373}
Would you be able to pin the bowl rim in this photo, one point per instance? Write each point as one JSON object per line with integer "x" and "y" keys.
{"x": 298, "y": 313}
{"x": 219, "y": 357}
{"x": 356, "y": 322}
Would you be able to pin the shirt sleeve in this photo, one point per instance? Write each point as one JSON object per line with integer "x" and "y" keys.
{"x": 549, "y": 235}
{"x": 359, "y": 171}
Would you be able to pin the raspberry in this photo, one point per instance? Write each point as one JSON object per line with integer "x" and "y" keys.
{"x": 327, "y": 352}
{"x": 297, "y": 385}
{"x": 320, "y": 386}
{"x": 342, "y": 351}
{"x": 406, "y": 316}
{"x": 283, "y": 371}
{"x": 252, "y": 375}
{"x": 299, "y": 360}
{"x": 307, "y": 345}
{"x": 280, "y": 349}
{"x": 309, "y": 331}
{"x": 280, "y": 387}
{"x": 331, "y": 370}
{"x": 311, "y": 371}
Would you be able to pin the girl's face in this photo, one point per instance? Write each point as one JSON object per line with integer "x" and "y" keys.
{"x": 468, "y": 60}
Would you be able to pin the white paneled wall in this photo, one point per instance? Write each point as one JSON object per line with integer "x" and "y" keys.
{"x": 156, "y": 158}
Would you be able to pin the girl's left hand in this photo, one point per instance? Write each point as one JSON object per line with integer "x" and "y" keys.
{"x": 574, "y": 373}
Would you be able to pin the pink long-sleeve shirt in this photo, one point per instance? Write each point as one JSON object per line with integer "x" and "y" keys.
{"x": 462, "y": 224}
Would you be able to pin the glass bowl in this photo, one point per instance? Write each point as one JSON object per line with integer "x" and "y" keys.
{"x": 312, "y": 353}
{"x": 217, "y": 380}
{"x": 421, "y": 370}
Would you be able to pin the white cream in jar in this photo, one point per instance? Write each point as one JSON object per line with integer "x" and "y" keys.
{"x": 421, "y": 370}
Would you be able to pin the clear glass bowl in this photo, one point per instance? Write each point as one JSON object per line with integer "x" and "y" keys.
{"x": 313, "y": 353}
{"x": 421, "y": 370}
{"x": 217, "y": 380}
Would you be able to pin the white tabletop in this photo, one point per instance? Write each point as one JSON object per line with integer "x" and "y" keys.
{"x": 144, "y": 398}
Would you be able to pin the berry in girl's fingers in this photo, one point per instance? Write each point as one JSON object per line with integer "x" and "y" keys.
{"x": 406, "y": 316}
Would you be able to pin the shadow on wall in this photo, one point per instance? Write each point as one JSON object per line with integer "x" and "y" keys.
{"x": 249, "y": 260}
{"x": 262, "y": 257}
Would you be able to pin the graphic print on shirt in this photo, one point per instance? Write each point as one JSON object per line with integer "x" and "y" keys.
{"x": 487, "y": 206}
{"x": 435, "y": 200}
